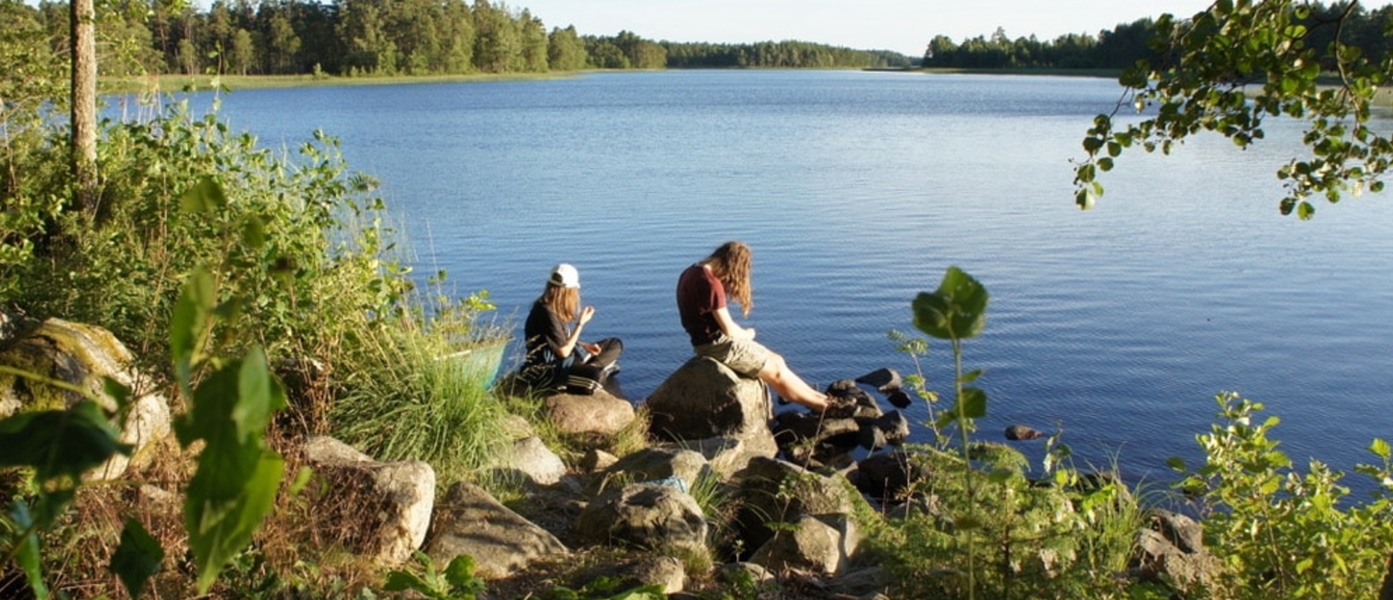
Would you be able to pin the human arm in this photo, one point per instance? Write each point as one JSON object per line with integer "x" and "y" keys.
{"x": 572, "y": 340}
{"x": 732, "y": 329}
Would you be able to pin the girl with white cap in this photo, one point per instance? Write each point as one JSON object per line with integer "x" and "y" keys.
{"x": 556, "y": 358}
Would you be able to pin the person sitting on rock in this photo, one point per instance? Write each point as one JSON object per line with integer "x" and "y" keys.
{"x": 556, "y": 357}
{"x": 702, "y": 304}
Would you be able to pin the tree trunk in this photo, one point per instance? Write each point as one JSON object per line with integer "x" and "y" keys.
{"x": 84, "y": 103}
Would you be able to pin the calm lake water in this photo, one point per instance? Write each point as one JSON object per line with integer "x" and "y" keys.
{"x": 856, "y": 191}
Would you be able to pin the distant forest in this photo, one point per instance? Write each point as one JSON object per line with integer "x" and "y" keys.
{"x": 1122, "y": 47}
{"x": 395, "y": 37}
{"x": 446, "y": 37}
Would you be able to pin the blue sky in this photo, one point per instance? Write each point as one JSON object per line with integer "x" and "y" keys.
{"x": 902, "y": 25}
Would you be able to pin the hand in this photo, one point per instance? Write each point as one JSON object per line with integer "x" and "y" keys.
{"x": 593, "y": 349}
{"x": 586, "y": 314}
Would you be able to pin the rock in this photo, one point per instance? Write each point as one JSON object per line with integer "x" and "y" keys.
{"x": 596, "y": 460}
{"x": 598, "y": 413}
{"x": 381, "y": 510}
{"x": 705, "y": 399}
{"x": 533, "y": 461}
{"x": 1170, "y": 549}
{"x": 1021, "y": 432}
{"x": 470, "y": 521}
{"x": 887, "y": 475}
{"x": 727, "y": 455}
{"x": 810, "y": 544}
{"x": 664, "y": 571}
{"x": 660, "y": 463}
{"x": 884, "y": 380}
{"x": 746, "y": 575}
{"x": 645, "y": 516}
{"x": 898, "y": 398}
{"x": 894, "y": 426}
{"x": 774, "y": 491}
{"x": 83, "y": 355}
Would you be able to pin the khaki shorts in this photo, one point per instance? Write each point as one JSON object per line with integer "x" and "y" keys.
{"x": 746, "y": 357}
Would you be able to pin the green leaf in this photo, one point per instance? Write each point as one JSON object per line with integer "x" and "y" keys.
{"x": 1380, "y": 448}
{"x": 205, "y": 196}
{"x": 971, "y": 376}
{"x": 1176, "y": 463}
{"x": 137, "y": 557}
{"x": 253, "y": 232}
{"x": 956, "y": 311}
{"x": 973, "y": 403}
{"x": 26, "y": 551}
{"x": 189, "y": 323}
{"x": 59, "y": 443}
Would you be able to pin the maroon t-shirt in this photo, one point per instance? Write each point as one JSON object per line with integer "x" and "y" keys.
{"x": 699, "y": 295}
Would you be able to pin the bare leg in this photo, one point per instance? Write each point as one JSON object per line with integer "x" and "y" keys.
{"x": 790, "y": 386}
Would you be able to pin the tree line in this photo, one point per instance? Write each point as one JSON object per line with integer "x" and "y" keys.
{"x": 395, "y": 37}
{"x": 1123, "y": 46}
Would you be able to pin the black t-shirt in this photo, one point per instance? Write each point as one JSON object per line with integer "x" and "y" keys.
{"x": 544, "y": 335}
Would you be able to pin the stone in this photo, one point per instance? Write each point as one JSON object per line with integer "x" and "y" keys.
{"x": 596, "y": 460}
{"x": 705, "y": 399}
{"x": 381, "y": 510}
{"x": 664, "y": 571}
{"x": 886, "y": 476}
{"x": 644, "y": 516}
{"x": 810, "y": 544}
{"x": 884, "y": 380}
{"x": 532, "y": 461}
{"x": 898, "y": 398}
{"x": 663, "y": 462}
{"x": 598, "y": 413}
{"x": 774, "y": 492}
{"x": 470, "y": 521}
{"x": 1170, "y": 549}
{"x": 83, "y": 356}
{"x": 727, "y": 455}
{"x": 1022, "y": 432}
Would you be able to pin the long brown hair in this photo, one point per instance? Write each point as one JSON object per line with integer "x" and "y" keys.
{"x": 731, "y": 263}
{"x": 564, "y": 301}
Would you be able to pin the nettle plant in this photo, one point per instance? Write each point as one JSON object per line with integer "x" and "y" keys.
{"x": 999, "y": 533}
{"x": 1280, "y": 532}
{"x": 231, "y": 403}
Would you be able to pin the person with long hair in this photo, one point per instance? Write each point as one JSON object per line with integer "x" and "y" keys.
{"x": 703, "y": 293}
{"x": 556, "y": 357}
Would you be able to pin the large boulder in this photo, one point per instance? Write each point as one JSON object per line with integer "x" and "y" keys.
{"x": 380, "y": 510}
{"x": 644, "y": 515}
{"x": 502, "y": 543}
{"x": 706, "y": 407}
{"x": 705, "y": 399}
{"x": 83, "y": 356}
{"x": 598, "y": 413}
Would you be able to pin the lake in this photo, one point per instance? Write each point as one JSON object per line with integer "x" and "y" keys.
{"x": 856, "y": 191}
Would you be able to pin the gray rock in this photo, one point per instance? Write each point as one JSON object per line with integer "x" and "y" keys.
{"x": 773, "y": 492}
{"x": 531, "y": 460}
{"x": 727, "y": 455}
{"x": 470, "y": 521}
{"x": 83, "y": 356}
{"x": 664, "y": 571}
{"x": 598, "y": 413}
{"x": 811, "y": 544}
{"x": 705, "y": 399}
{"x": 886, "y": 476}
{"x": 644, "y": 516}
{"x": 662, "y": 462}
{"x": 884, "y": 380}
{"x": 596, "y": 460}
{"x": 381, "y": 510}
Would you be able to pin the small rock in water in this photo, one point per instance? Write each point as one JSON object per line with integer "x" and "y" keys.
{"x": 885, "y": 380}
{"x": 898, "y": 398}
{"x": 1021, "y": 432}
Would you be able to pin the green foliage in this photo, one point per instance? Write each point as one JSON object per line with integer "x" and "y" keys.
{"x": 456, "y": 582}
{"x": 1282, "y": 533}
{"x": 1239, "y": 63}
{"x": 606, "y": 588}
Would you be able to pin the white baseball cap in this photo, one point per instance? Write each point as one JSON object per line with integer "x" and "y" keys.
{"x": 565, "y": 275}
